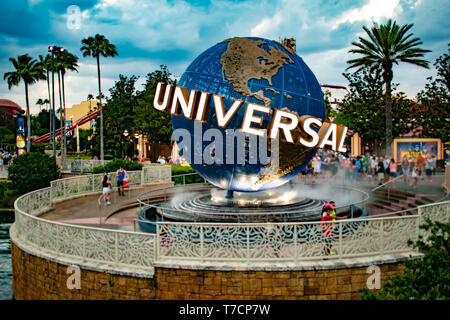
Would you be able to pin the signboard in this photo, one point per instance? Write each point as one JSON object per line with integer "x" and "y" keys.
{"x": 412, "y": 147}
{"x": 69, "y": 134}
{"x": 21, "y": 134}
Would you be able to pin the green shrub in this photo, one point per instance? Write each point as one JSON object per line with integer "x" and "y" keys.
{"x": 178, "y": 169}
{"x": 32, "y": 171}
{"x": 427, "y": 278}
{"x": 7, "y": 194}
{"x": 116, "y": 164}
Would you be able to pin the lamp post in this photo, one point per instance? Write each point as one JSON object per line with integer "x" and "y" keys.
{"x": 125, "y": 134}
{"x": 54, "y": 50}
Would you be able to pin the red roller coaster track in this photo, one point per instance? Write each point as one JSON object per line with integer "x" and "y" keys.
{"x": 79, "y": 122}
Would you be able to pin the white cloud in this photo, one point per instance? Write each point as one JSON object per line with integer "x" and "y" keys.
{"x": 374, "y": 10}
{"x": 267, "y": 25}
{"x": 158, "y": 26}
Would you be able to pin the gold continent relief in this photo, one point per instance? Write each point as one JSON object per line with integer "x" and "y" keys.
{"x": 244, "y": 60}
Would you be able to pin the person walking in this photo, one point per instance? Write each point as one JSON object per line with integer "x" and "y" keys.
{"x": 327, "y": 231}
{"x": 380, "y": 171}
{"x": 317, "y": 165}
{"x": 429, "y": 167}
{"x": 420, "y": 161}
{"x": 415, "y": 175}
{"x": 121, "y": 174}
{"x": 405, "y": 168}
{"x": 106, "y": 184}
{"x": 392, "y": 171}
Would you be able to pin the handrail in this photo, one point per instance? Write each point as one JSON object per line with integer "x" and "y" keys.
{"x": 140, "y": 198}
{"x": 213, "y": 241}
{"x": 387, "y": 182}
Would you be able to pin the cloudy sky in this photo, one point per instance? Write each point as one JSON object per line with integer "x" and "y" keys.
{"x": 148, "y": 33}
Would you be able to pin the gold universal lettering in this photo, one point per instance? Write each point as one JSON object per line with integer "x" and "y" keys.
{"x": 277, "y": 124}
{"x": 305, "y": 130}
{"x": 224, "y": 118}
{"x": 249, "y": 118}
{"x": 162, "y": 90}
{"x": 181, "y": 98}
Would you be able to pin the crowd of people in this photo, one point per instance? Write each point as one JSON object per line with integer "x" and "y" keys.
{"x": 358, "y": 168}
{"x": 6, "y": 157}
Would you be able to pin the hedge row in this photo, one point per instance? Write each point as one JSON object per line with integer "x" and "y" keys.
{"x": 179, "y": 169}
{"x": 116, "y": 164}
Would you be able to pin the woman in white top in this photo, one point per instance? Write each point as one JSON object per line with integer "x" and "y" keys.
{"x": 317, "y": 164}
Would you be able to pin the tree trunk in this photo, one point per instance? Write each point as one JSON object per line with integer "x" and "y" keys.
{"x": 61, "y": 127}
{"x": 50, "y": 107}
{"x": 64, "y": 154}
{"x": 102, "y": 154}
{"x": 28, "y": 119}
{"x": 388, "y": 118}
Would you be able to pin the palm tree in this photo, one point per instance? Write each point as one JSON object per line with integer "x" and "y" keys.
{"x": 96, "y": 46}
{"x": 28, "y": 70}
{"x": 388, "y": 44}
{"x": 40, "y": 103}
{"x": 65, "y": 61}
{"x": 90, "y": 97}
{"x": 47, "y": 102}
{"x": 47, "y": 65}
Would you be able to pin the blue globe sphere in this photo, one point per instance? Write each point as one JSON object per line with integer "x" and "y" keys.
{"x": 258, "y": 71}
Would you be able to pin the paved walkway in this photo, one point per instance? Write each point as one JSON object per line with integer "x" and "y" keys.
{"x": 87, "y": 211}
{"x": 124, "y": 209}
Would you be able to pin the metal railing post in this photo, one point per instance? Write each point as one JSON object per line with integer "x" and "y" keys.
{"x": 381, "y": 238}
{"x": 157, "y": 242}
{"x": 64, "y": 187}
{"x": 51, "y": 193}
{"x": 419, "y": 215}
{"x": 116, "y": 248}
{"x": 295, "y": 244}
{"x": 340, "y": 240}
{"x": 201, "y": 243}
{"x": 248, "y": 244}
{"x": 83, "y": 250}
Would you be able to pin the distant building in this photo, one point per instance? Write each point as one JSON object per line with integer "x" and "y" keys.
{"x": 78, "y": 111}
{"x": 9, "y": 110}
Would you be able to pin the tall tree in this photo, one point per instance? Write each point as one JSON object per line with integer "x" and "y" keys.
{"x": 98, "y": 46}
{"x": 40, "y": 103}
{"x": 361, "y": 110}
{"x": 47, "y": 65}
{"x": 156, "y": 126}
{"x": 66, "y": 61}
{"x": 29, "y": 71}
{"x": 388, "y": 44}
{"x": 434, "y": 114}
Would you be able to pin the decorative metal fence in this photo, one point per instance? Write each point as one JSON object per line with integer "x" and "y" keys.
{"x": 214, "y": 242}
{"x": 112, "y": 247}
{"x": 119, "y": 248}
{"x": 87, "y": 184}
{"x": 81, "y": 166}
{"x": 291, "y": 242}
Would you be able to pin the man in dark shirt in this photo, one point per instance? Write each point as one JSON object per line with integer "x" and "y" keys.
{"x": 380, "y": 170}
